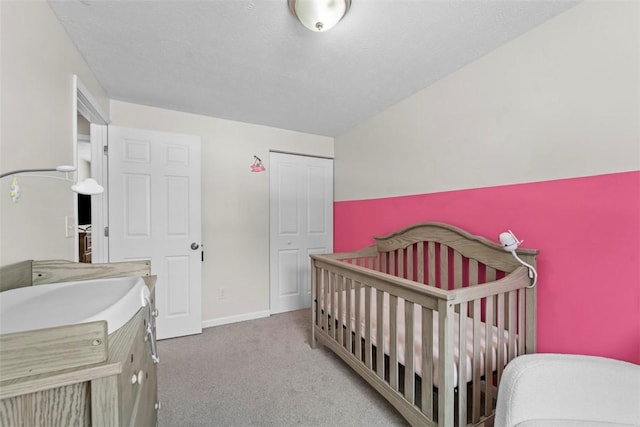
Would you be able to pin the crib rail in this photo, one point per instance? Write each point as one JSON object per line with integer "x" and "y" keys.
{"x": 354, "y": 295}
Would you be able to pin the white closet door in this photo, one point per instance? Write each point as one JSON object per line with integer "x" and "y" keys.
{"x": 301, "y": 224}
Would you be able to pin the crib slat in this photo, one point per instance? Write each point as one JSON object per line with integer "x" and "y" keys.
{"x": 477, "y": 322}
{"x": 315, "y": 301}
{"x": 367, "y": 325}
{"x": 358, "y": 338}
{"x": 379, "y": 315}
{"x": 462, "y": 366}
{"x": 340, "y": 318}
{"x": 410, "y": 274}
{"x": 420, "y": 258}
{"x": 400, "y": 258}
{"x": 347, "y": 290}
{"x": 328, "y": 301}
{"x": 369, "y": 311}
{"x": 502, "y": 357}
{"x": 333, "y": 293}
{"x": 383, "y": 262}
{"x": 473, "y": 272}
{"x": 431, "y": 254}
{"x": 392, "y": 263}
{"x": 457, "y": 270}
{"x": 444, "y": 267}
{"x": 488, "y": 356}
{"x": 512, "y": 324}
{"x": 521, "y": 320}
{"x": 325, "y": 300}
{"x": 446, "y": 403}
{"x": 409, "y": 370}
{"x": 337, "y": 315}
{"x": 427, "y": 362}
{"x": 393, "y": 341}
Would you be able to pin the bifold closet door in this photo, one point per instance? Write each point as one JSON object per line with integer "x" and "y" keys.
{"x": 301, "y": 224}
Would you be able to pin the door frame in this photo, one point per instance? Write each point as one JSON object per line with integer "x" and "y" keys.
{"x": 85, "y": 104}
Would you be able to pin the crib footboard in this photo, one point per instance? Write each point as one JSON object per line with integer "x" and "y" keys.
{"x": 435, "y": 354}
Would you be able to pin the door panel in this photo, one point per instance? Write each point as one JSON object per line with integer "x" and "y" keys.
{"x": 316, "y": 205}
{"x": 154, "y": 213}
{"x": 288, "y": 265}
{"x": 301, "y": 216}
{"x": 177, "y": 268}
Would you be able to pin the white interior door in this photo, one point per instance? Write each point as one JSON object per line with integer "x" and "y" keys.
{"x": 301, "y": 224}
{"x": 99, "y": 206}
{"x": 154, "y": 213}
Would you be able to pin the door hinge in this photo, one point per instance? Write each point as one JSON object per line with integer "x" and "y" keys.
{"x": 106, "y": 232}
{"x": 105, "y": 149}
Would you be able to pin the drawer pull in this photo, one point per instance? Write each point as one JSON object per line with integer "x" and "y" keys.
{"x": 137, "y": 378}
{"x": 150, "y": 326}
{"x": 152, "y": 342}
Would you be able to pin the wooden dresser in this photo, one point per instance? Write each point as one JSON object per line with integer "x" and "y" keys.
{"x": 93, "y": 379}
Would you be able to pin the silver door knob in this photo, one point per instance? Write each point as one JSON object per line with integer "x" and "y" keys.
{"x": 194, "y": 246}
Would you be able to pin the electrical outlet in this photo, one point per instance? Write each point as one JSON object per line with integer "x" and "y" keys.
{"x": 69, "y": 226}
{"x": 221, "y": 293}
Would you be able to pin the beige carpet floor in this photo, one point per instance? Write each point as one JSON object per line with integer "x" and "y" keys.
{"x": 263, "y": 373}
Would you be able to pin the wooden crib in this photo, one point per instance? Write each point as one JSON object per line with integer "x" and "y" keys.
{"x": 468, "y": 295}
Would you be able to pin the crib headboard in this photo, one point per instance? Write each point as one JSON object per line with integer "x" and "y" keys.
{"x": 437, "y": 254}
{"x": 433, "y": 239}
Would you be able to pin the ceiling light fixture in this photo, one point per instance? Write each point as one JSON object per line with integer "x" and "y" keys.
{"x": 319, "y": 15}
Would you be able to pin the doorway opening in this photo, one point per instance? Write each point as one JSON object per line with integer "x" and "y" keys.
{"x": 90, "y": 131}
{"x": 84, "y": 200}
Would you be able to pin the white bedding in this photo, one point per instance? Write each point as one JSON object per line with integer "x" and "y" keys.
{"x": 417, "y": 341}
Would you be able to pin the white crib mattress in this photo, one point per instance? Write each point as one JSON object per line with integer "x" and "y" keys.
{"x": 417, "y": 341}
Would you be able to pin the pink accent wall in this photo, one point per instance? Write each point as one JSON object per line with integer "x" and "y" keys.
{"x": 588, "y": 234}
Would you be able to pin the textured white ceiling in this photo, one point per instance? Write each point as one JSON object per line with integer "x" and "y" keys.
{"x": 252, "y": 61}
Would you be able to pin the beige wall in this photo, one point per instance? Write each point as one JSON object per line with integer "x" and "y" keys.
{"x": 235, "y": 202}
{"x": 36, "y": 130}
{"x": 38, "y": 62}
{"x": 560, "y": 101}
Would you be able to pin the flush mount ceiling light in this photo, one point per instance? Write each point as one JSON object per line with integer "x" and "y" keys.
{"x": 319, "y": 15}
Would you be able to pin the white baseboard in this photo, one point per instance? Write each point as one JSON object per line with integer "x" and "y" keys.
{"x": 234, "y": 319}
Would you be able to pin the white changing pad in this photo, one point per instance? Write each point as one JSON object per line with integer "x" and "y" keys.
{"x": 417, "y": 340}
